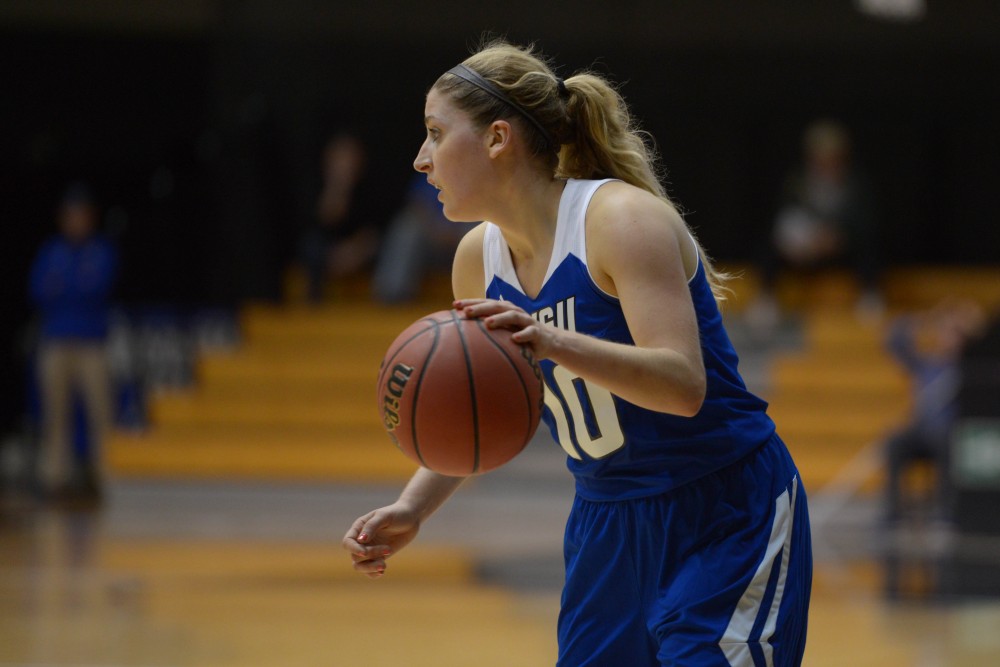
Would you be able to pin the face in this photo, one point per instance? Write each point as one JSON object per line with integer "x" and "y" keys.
{"x": 345, "y": 157}
{"x": 77, "y": 221}
{"x": 455, "y": 159}
{"x": 830, "y": 164}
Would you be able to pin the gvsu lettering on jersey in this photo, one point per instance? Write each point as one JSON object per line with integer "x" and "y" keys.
{"x": 390, "y": 401}
{"x": 561, "y": 316}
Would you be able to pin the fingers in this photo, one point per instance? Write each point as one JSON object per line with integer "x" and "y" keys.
{"x": 515, "y": 320}
{"x": 363, "y": 553}
{"x": 353, "y": 538}
{"x": 371, "y": 569}
{"x": 478, "y": 308}
{"x": 361, "y": 540}
{"x": 505, "y": 315}
{"x": 530, "y": 335}
{"x": 496, "y": 314}
{"x": 372, "y": 562}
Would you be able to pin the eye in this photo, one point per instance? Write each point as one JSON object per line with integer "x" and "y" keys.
{"x": 433, "y": 132}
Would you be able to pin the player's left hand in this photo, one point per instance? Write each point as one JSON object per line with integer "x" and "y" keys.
{"x": 505, "y": 315}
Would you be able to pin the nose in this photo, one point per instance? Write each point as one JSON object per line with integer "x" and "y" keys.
{"x": 422, "y": 163}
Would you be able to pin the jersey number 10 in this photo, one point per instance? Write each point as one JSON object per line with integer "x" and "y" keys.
{"x": 597, "y": 437}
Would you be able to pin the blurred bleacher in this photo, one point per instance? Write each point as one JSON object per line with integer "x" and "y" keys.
{"x": 295, "y": 400}
{"x": 838, "y": 395}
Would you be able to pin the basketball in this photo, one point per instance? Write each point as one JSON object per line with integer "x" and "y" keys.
{"x": 459, "y": 398}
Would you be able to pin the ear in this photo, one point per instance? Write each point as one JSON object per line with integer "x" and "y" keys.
{"x": 498, "y": 137}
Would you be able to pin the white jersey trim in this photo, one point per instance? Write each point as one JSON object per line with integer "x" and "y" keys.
{"x": 570, "y": 239}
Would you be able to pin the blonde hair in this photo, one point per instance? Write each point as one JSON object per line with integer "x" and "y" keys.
{"x": 582, "y": 126}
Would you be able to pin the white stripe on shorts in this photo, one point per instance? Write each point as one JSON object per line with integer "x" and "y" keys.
{"x": 735, "y": 640}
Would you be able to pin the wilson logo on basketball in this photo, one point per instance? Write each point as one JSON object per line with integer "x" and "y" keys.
{"x": 390, "y": 401}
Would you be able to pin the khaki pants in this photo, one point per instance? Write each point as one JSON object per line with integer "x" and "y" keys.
{"x": 62, "y": 367}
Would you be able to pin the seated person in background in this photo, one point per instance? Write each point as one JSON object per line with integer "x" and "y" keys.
{"x": 826, "y": 219}
{"x": 419, "y": 240}
{"x": 929, "y": 346}
{"x": 341, "y": 242}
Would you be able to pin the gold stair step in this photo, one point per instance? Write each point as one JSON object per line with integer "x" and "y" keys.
{"x": 924, "y": 286}
{"x": 855, "y": 424}
{"x": 833, "y": 330}
{"x": 837, "y": 375}
{"x": 339, "y": 346}
{"x": 359, "y": 320}
{"x": 843, "y": 445}
{"x": 360, "y": 369}
{"x": 358, "y": 407}
{"x": 820, "y": 400}
{"x": 321, "y": 390}
{"x": 371, "y": 457}
{"x": 287, "y": 390}
{"x": 330, "y": 416}
{"x": 266, "y": 432}
{"x": 822, "y": 292}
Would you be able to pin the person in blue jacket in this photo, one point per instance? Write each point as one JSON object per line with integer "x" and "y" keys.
{"x": 71, "y": 283}
{"x": 928, "y": 345}
{"x": 688, "y": 542}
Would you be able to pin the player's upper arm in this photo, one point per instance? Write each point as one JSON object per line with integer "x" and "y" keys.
{"x": 468, "y": 274}
{"x": 639, "y": 249}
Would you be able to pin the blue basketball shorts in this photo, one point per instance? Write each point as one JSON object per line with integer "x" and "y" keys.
{"x": 716, "y": 572}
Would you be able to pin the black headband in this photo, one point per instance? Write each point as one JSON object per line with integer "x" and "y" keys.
{"x": 473, "y": 77}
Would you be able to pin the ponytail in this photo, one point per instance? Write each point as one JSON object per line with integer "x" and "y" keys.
{"x": 605, "y": 143}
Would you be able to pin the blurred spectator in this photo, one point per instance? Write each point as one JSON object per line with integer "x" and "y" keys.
{"x": 929, "y": 347}
{"x": 826, "y": 218}
{"x": 70, "y": 285}
{"x": 343, "y": 241}
{"x": 419, "y": 240}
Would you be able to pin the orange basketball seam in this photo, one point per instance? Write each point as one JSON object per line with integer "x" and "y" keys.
{"x": 387, "y": 362}
{"x": 435, "y": 325}
{"x": 472, "y": 392}
{"x": 517, "y": 372}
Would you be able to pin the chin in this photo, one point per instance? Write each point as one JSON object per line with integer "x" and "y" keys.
{"x": 459, "y": 216}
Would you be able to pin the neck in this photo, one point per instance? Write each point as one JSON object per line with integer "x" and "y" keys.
{"x": 527, "y": 211}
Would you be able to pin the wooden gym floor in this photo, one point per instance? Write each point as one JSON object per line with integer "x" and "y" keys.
{"x": 218, "y": 543}
{"x": 245, "y": 574}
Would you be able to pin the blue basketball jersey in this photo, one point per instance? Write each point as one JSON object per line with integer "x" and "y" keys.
{"x": 618, "y": 450}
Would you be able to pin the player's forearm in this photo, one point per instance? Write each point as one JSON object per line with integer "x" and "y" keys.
{"x": 658, "y": 379}
{"x": 427, "y": 491}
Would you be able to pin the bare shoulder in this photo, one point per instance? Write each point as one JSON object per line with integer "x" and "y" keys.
{"x": 468, "y": 273}
{"x": 626, "y": 224}
{"x": 618, "y": 206}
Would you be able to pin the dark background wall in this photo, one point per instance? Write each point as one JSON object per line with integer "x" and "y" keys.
{"x": 200, "y": 122}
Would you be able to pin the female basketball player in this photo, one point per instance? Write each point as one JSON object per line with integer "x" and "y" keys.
{"x": 688, "y": 542}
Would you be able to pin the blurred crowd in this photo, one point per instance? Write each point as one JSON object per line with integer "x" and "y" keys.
{"x": 93, "y": 360}
{"x": 826, "y": 218}
{"x": 345, "y": 240}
